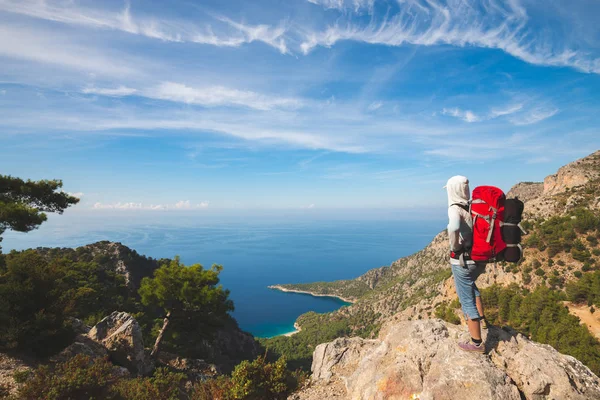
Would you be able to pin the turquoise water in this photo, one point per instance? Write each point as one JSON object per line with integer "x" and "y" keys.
{"x": 255, "y": 254}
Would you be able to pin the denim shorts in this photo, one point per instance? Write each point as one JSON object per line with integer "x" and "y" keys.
{"x": 464, "y": 279}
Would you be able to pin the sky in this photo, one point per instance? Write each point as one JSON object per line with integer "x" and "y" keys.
{"x": 301, "y": 105}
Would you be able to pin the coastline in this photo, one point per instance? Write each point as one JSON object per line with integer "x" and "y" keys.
{"x": 297, "y": 327}
{"x": 282, "y": 289}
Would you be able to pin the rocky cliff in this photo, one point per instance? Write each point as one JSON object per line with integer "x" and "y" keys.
{"x": 420, "y": 360}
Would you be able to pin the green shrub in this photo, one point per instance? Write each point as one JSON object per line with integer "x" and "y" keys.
{"x": 22, "y": 376}
{"x": 536, "y": 264}
{"x": 163, "y": 385}
{"x": 578, "y": 274}
{"x": 540, "y": 272}
{"x": 258, "y": 380}
{"x": 78, "y": 378}
{"x": 526, "y": 278}
{"x": 561, "y": 263}
{"x": 446, "y": 312}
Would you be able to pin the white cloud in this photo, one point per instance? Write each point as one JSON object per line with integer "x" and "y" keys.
{"x": 218, "y": 96}
{"x": 499, "y": 112}
{"x": 356, "y": 5}
{"x": 116, "y": 92}
{"x": 120, "y": 206}
{"x": 180, "y": 205}
{"x": 76, "y": 194}
{"x": 68, "y": 12}
{"x": 376, "y": 105}
{"x": 465, "y": 115}
{"x": 46, "y": 47}
{"x": 534, "y": 116}
{"x": 492, "y": 24}
{"x": 183, "y": 204}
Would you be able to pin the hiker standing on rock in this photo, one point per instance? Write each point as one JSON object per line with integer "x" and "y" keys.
{"x": 465, "y": 270}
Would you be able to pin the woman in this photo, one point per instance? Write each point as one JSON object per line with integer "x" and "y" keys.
{"x": 465, "y": 270}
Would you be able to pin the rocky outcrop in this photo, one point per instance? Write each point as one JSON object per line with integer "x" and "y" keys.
{"x": 526, "y": 191}
{"x": 195, "y": 370}
{"x": 573, "y": 185}
{"x": 110, "y": 255}
{"x": 121, "y": 335}
{"x": 420, "y": 359}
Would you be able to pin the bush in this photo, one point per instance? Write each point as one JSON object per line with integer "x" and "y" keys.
{"x": 578, "y": 274}
{"x": 446, "y": 312}
{"x": 526, "y": 278}
{"x": 163, "y": 385}
{"x": 540, "y": 272}
{"x": 561, "y": 263}
{"x": 22, "y": 376}
{"x": 78, "y": 378}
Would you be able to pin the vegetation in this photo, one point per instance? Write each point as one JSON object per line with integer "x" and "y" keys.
{"x": 541, "y": 315}
{"x": 23, "y": 204}
{"x": 347, "y": 289}
{"x": 586, "y": 289}
{"x": 84, "y": 378}
{"x": 317, "y": 329}
{"x": 559, "y": 233}
{"x": 187, "y": 295}
{"x": 447, "y": 312}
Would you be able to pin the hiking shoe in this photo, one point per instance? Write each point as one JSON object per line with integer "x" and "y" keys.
{"x": 472, "y": 347}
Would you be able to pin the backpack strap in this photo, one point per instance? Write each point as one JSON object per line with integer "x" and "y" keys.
{"x": 463, "y": 206}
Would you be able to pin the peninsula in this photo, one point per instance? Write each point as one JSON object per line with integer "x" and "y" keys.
{"x": 306, "y": 289}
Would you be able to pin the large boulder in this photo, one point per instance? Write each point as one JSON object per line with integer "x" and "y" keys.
{"x": 420, "y": 359}
{"x": 121, "y": 335}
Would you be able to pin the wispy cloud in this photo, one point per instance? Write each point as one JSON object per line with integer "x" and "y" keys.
{"x": 356, "y": 5}
{"x": 113, "y": 92}
{"x": 534, "y": 116}
{"x": 465, "y": 115}
{"x": 219, "y": 96}
{"x": 511, "y": 109}
{"x": 491, "y": 24}
{"x": 69, "y": 12}
{"x": 376, "y": 105}
{"x": 45, "y": 47}
{"x": 210, "y": 96}
{"x": 180, "y": 205}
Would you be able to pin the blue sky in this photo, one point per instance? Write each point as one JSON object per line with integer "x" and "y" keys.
{"x": 293, "y": 104}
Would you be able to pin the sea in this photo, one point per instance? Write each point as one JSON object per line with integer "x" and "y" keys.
{"x": 254, "y": 252}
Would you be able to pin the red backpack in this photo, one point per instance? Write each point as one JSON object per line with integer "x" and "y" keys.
{"x": 487, "y": 210}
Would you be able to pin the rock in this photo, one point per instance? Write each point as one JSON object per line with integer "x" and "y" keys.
{"x": 121, "y": 335}
{"x": 82, "y": 345}
{"x": 78, "y": 326}
{"x": 196, "y": 370}
{"x": 539, "y": 370}
{"x": 420, "y": 359}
